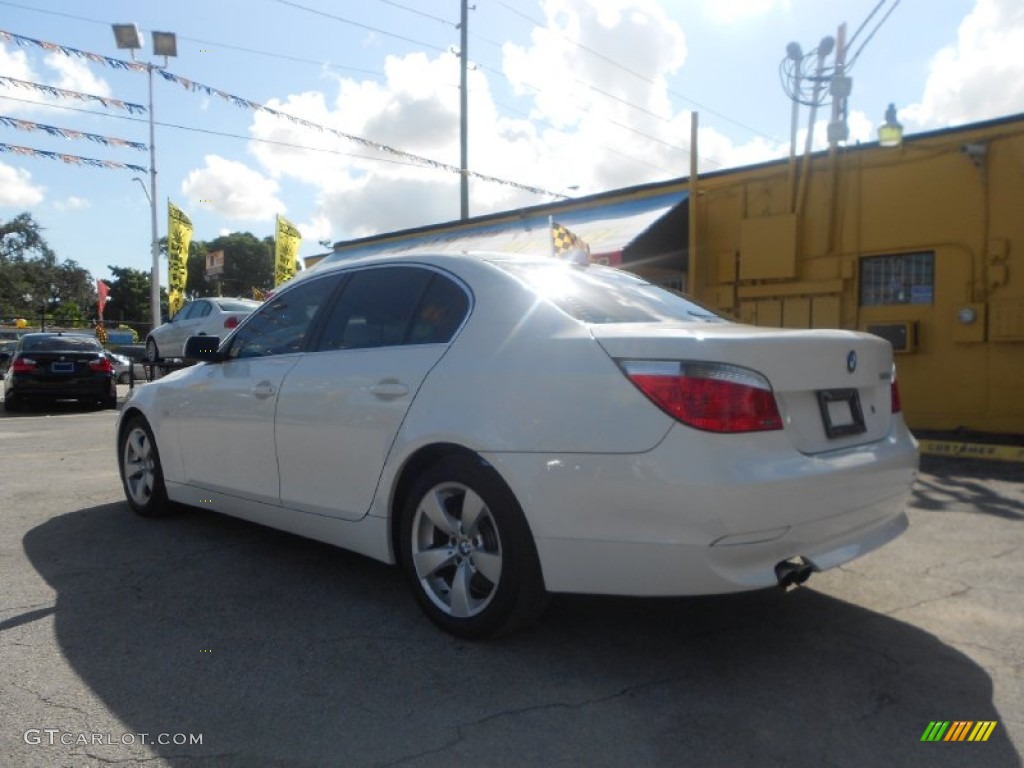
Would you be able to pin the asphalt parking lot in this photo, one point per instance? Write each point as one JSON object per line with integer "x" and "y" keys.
{"x": 202, "y": 640}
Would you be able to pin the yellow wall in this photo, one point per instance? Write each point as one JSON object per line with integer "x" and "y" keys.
{"x": 767, "y": 263}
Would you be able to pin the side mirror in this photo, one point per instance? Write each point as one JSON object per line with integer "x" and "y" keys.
{"x": 165, "y": 319}
{"x": 202, "y": 348}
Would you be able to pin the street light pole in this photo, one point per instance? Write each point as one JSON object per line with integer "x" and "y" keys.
{"x": 154, "y": 277}
{"x": 164, "y": 44}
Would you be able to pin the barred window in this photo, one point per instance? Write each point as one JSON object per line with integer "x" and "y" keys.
{"x": 907, "y": 278}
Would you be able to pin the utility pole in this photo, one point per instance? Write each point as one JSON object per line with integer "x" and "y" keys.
{"x": 464, "y": 104}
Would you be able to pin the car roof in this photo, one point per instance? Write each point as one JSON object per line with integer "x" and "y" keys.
{"x": 53, "y": 334}
{"x": 436, "y": 258}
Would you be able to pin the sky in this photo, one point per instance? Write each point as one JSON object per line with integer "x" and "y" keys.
{"x": 565, "y": 98}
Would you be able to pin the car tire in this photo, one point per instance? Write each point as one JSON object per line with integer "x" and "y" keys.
{"x": 109, "y": 403}
{"x": 13, "y": 404}
{"x": 141, "y": 473}
{"x": 152, "y": 353}
{"x": 123, "y": 378}
{"x": 468, "y": 552}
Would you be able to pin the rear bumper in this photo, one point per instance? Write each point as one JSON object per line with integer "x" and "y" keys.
{"x": 95, "y": 388}
{"x": 704, "y": 514}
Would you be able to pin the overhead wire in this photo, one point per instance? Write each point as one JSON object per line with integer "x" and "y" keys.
{"x": 360, "y": 25}
{"x": 872, "y": 33}
{"x": 418, "y": 12}
{"x": 201, "y": 41}
{"x": 224, "y": 134}
{"x": 619, "y": 65}
{"x": 254, "y": 51}
{"x": 379, "y": 73}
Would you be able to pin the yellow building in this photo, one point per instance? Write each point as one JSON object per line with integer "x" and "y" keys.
{"x": 917, "y": 243}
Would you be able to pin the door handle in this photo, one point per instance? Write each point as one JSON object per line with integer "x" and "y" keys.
{"x": 389, "y": 389}
{"x": 263, "y": 390}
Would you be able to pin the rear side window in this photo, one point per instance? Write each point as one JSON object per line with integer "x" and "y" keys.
{"x": 185, "y": 311}
{"x": 202, "y": 309}
{"x": 227, "y": 305}
{"x": 439, "y": 314}
{"x": 597, "y": 295}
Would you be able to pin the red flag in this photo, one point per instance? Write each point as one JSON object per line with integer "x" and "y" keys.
{"x": 103, "y": 290}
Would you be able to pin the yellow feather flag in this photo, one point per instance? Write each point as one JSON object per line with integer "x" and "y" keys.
{"x": 286, "y": 250}
{"x": 179, "y": 236}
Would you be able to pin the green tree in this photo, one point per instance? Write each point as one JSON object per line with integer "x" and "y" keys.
{"x": 128, "y": 299}
{"x": 32, "y": 281}
{"x": 248, "y": 263}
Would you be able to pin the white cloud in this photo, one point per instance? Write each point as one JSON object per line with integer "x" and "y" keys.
{"x": 734, "y": 11}
{"x": 233, "y": 189}
{"x": 65, "y": 72}
{"x": 74, "y": 75}
{"x": 981, "y": 76}
{"x": 17, "y": 189}
{"x": 621, "y": 132}
{"x": 72, "y": 203}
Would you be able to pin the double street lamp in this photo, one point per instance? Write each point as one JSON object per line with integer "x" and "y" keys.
{"x": 165, "y": 44}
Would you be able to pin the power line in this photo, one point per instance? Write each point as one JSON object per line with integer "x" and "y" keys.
{"x": 367, "y": 27}
{"x": 419, "y": 13}
{"x": 229, "y": 46}
{"x": 195, "y": 86}
{"x": 634, "y": 73}
{"x": 378, "y": 73}
{"x": 873, "y": 31}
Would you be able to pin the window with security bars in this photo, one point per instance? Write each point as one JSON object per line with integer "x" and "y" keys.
{"x": 906, "y": 278}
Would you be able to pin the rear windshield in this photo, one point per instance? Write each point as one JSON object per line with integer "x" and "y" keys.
{"x": 237, "y": 305}
{"x": 57, "y": 343}
{"x": 599, "y": 295}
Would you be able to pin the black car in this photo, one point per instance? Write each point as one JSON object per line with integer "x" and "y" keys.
{"x": 59, "y": 366}
{"x": 6, "y": 353}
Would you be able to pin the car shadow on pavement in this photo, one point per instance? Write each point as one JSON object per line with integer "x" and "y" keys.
{"x": 284, "y": 651}
{"x": 957, "y": 484}
{"x": 57, "y": 408}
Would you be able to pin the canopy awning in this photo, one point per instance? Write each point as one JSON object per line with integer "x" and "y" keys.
{"x": 607, "y": 228}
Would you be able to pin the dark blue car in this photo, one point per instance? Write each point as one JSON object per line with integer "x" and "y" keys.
{"x": 59, "y": 366}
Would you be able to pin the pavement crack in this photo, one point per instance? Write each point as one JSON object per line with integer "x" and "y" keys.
{"x": 50, "y": 702}
{"x": 955, "y": 593}
{"x": 462, "y": 728}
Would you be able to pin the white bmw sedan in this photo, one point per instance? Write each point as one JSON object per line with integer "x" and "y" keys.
{"x": 214, "y": 316}
{"x": 504, "y": 427}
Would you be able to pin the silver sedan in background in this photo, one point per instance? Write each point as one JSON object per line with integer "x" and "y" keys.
{"x": 213, "y": 316}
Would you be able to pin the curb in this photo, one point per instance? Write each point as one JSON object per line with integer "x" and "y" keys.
{"x": 956, "y": 449}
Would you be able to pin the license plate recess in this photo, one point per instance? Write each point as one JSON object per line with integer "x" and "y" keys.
{"x": 841, "y": 414}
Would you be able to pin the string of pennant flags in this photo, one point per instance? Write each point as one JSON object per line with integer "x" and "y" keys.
{"x": 238, "y": 101}
{"x": 68, "y": 133}
{"x": 70, "y": 159}
{"x": 63, "y": 93}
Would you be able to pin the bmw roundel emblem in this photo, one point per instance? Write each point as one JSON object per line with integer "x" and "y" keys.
{"x": 851, "y": 361}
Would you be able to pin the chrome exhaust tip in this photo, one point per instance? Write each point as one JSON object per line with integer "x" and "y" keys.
{"x": 793, "y": 572}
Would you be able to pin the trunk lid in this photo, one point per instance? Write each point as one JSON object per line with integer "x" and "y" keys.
{"x": 833, "y": 387}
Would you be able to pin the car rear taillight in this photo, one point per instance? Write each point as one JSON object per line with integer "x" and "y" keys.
{"x": 102, "y": 365}
{"x": 23, "y": 365}
{"x": 714, "y": 397}
{"x": 231, "y": 322}
{"x": 894, "y": 394}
